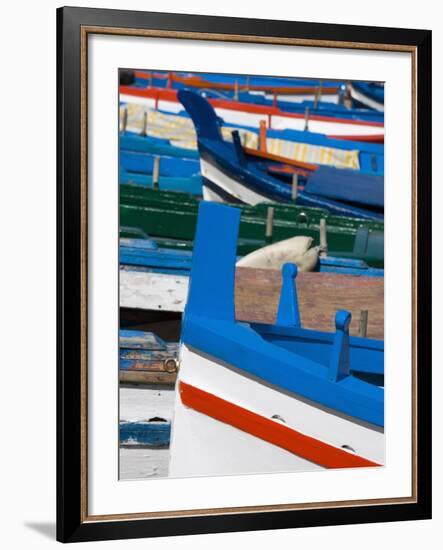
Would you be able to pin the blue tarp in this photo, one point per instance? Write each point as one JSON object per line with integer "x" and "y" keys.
{"x": 347, "y": 185}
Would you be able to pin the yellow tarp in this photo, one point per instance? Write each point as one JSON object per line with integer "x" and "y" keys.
{"x": 180, "y": 132}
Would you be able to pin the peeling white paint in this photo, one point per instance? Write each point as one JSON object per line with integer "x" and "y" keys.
{"x": 157, "y": 291}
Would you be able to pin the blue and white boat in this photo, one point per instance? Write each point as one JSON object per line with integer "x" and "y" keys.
{"x": 229, "y": 175}
{"x": 254, "y": 398}
{"x": 368, "y": 94}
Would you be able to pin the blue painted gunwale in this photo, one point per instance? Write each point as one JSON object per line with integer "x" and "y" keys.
{"x": 142, "y": 163}
{"x": 209, "y": 327}
{"x": 130, "y": 141}
{"x": 365, "y": 352}
{"x": 164, "y": 258}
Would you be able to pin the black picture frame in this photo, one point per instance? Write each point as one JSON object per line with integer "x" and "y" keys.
{"x": 72, "y": 524}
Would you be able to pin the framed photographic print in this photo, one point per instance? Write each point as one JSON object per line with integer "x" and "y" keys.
{"x": 244, "y": 271}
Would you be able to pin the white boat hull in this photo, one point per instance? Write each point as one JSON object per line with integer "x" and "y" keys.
{"x": 229, "y": 186}
{"x": 276, "y": 122}
{"x": 204, "y": 445}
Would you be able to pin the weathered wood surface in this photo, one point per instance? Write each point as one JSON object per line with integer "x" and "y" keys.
{"x": 320, "y": 295}
{"x": 140, "y": 340}
{"x": 154, "y": 378}
{"x": 146, "y": 359}
{"x": 141, "y": 290}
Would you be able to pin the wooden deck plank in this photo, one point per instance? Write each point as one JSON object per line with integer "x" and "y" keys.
{"x": 320, "y": 295}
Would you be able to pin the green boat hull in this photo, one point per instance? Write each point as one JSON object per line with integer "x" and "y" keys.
{"x": 173, "y": 216}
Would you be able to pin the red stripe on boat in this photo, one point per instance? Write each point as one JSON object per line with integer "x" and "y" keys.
{"x": 282, "y": 436}
{"x": 171, "y": 95}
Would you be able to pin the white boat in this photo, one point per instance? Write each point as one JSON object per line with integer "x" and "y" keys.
{"x": 257, "y": 398}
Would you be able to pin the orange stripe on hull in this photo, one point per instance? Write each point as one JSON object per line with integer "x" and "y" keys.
{"x": 278, "y": 158}
{"x": 302, "y": 445}
{"x": 376, "y": 138}
{"x": 199, "y": 82}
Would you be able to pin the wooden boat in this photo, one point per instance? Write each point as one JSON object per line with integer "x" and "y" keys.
{"x": 256, "y": 398}
{"x": 257, "y": 293}
{"x": 226, "y": 82}
{"x": 321, "y": 97}
{"x": 173, "y": 216}
{"x": 247, "y": 114}
{"x": 147, "y": 359}
{"x": 230, "y": 176}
